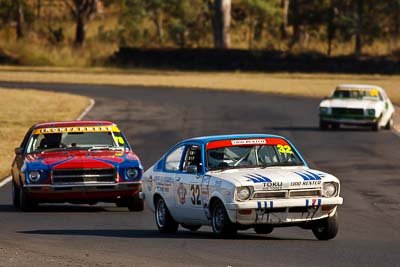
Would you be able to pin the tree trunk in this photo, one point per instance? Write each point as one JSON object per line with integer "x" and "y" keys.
{"x": 159, "y": 26}
{"x": 285, "y": 14}
{"x": 80, "y": 31}
{"x": 222, "y": 23}
{"x": 38, "y": 8}
{"x": 296, "y": 23}
{"x": 83, "y": 10}
{"x": 358, "y": 46}
{"x": 251, "y": 27}
{"x": 331, "y": 26}
{"x": 20, "y": 20}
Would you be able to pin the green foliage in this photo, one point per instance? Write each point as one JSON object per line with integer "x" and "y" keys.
{"x": 259, "y": 16}
{"x": 310, "y": 26}
{"x": 8, "y": 10}
{"x": 184, "y": 24}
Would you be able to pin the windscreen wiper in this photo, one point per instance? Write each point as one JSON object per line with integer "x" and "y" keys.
{"x": 106, "y": 148}
{"x": 285, "y": 164}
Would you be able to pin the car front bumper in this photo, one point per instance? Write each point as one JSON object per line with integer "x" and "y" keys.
{"x": 362, "y": 120}
{"x": 282, "y": 211}
{"x": 81, "y": 191}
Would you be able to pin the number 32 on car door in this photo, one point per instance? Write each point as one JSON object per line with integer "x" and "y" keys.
{"x": 195, "y": 192}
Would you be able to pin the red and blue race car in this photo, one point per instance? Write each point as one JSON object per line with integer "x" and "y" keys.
{"x": 80, "y": 162}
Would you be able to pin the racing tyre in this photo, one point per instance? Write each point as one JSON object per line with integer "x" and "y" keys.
{"x": 15, "y": 195}
{"x": 376, "y": 126}
{"x": 25, "y": 202}
{"x": 121, "y": 202}
{"x": 389, "y": 124}
{"x": 326, "y": 229}
{"x": 323, "y": 125}
{"x": 191, "y": 227}
{"x": 165, "y": 222}
{"x": 263, "y": 229}
{"x": 335, "y": 126}
{"x": 135, "y": 203}
{"x": 221, "y": 224}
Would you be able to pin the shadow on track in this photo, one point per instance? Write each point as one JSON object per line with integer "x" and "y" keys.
{"x": 316, "y": 129}
{"x": 125, "y": 233}
{"x": 64, "y": 208}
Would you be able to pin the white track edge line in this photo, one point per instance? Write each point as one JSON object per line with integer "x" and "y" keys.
{"x": 83, "y": 114}
{"x": 5, "y": 181}
{"x": 87, "y": 109}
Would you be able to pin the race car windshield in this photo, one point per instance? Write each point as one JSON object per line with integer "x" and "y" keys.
{"x": 252, "y": 156}
{"x": 76, "y": 141}
{"x": 372, "y": 94}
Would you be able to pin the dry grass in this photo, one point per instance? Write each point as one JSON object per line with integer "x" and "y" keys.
{"x": 20, "y": 109}
{"x": 314, "y": 85}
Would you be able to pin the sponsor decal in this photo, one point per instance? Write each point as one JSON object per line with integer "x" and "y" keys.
{"x": 80, "y": 129}
{"x": 257, "y": 178}
{"x": 274, "y": 185}
{"x": 313, "y": 203}
{"x": 249, "y": 142}
{"x": 246, "y": 142}
{"x": 305, "y": 183}
{"x": 262, "y": 209}
{"x": 313, "y": 206}
{"x": 181, "y": 193}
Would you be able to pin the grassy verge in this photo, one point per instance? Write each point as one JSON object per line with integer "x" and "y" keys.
{"x": 20, "y": 109}
{"x": 314, "y": 85}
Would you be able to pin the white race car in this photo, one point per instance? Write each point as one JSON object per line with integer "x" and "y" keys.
{"x": 351, "y": 104}
{"x": 238, "y": 182}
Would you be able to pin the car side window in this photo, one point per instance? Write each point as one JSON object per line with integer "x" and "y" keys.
{"x": 193, "y": 157}
{"x": 173, "y": 160}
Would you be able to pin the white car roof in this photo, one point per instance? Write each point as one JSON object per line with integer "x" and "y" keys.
{"x": 358, "y": 86}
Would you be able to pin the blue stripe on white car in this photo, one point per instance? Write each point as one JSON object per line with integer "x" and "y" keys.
{"x": 257, "y": 178}
{"x": 264, "y": 204}
{"x": 309, "y": 176}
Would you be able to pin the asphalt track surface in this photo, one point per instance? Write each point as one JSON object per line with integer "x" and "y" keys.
{"x": 154, "y": 119}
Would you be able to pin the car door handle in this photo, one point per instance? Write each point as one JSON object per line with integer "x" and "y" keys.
{"x": 178, "y": 178}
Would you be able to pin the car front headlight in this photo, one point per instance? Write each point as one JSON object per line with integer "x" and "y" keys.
{"x": 243, "y": 193}
{"x": 34, "y": 176}
{"x": 371, "y": 112}
{"x": 132, "y": 173}
{"x": 329, "y": 189}
{"x": 323, "y": 110}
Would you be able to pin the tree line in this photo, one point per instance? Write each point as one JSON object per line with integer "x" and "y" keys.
{"x": 222, "y": 24}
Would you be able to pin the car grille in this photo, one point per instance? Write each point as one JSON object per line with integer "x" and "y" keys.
{"x": 288, "y": 194}
{"x": 74, "y": 176}
{"x": 347, "y": 111}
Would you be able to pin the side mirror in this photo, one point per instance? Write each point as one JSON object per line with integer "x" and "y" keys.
{"x": 18, "y": 150}
{"x": 191, "y": 169}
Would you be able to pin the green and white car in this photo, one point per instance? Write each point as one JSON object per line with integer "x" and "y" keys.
{"x": 355, "y": 104}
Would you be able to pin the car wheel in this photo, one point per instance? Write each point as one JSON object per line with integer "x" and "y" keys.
{"x": 135, "y": 203}
{"x": 15, "y": 195}
{"x": 165, "y": 222}
{"x": 191, "y": 227}
{"x": 326, "y": 229}
{"x": 335, "y": 126}
{"x": 389, "y": 124}
{"x": 25, "y": 202}
{"x": 323, "y": 125}
{"x": 376, "y": 126}
{"x": 221, "y": 224}
{"x": 263, "y": 229}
